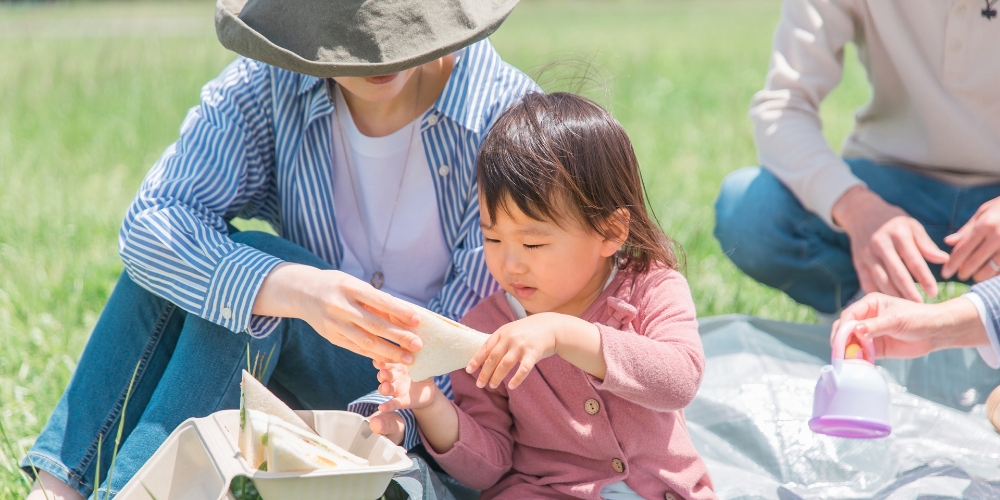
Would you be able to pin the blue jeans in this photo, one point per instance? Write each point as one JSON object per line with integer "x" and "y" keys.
{"x": 767, "y": 233}
{"x": 187, "y": 367}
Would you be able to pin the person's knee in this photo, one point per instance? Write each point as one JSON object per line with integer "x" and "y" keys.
{"x": 279, "y": 247}
{"x": 255, "y": 239}
{"x": 751, "y": 215}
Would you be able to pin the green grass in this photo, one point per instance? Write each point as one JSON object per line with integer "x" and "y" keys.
{"x": 91, "y": 94}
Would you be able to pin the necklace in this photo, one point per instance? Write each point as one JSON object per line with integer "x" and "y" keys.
{"x": 378, "y": 277}
{"x": 989, "y": 12}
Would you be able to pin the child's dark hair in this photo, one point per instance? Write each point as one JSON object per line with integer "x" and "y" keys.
{"x": 550, "y": 151}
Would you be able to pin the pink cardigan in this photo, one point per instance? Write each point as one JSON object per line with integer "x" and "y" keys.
{"x": 566, "y": 434}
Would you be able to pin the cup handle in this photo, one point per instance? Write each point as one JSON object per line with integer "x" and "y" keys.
{"x": 843, "y": 335}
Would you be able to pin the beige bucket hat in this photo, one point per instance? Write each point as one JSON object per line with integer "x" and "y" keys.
{"x": 328, "y": 38}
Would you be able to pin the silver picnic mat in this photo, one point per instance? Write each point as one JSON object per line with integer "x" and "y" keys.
{"x": 749, "y": 421}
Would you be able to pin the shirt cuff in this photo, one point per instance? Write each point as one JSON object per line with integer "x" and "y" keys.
{"x": 990, "y": 353}
{"x": 367, "y": 405}
{"x": 233, "y": 290}
{"x": 827, "y": 186}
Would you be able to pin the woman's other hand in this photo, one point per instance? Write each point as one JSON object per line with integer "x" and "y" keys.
{"x": 343, "y": 309}
{"x": 901, "y": 328}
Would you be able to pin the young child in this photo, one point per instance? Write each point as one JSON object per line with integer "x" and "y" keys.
{"x": 595, "y": 351}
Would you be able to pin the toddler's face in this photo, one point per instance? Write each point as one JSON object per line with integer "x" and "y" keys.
{"x": 547, "y": 267}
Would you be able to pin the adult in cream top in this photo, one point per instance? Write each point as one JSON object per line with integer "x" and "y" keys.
{"x": 909, "y": 197}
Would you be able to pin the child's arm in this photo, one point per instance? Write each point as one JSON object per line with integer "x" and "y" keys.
{"x": 471, "y": 439}
{"x": 530, "y": 340}
{"x": 658, "y": 366}
{"x": 435, "y": 414}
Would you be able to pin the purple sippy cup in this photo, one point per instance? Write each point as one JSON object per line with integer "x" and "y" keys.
{"x": 851, "y": 398}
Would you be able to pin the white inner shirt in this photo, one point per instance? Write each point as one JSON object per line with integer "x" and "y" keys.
{"x": 416, "y": 255}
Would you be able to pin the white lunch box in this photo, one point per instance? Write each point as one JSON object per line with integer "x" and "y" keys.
{"x": 200, "y": 459}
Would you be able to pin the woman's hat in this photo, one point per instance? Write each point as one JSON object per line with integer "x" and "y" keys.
{"x": 329, "y": 38}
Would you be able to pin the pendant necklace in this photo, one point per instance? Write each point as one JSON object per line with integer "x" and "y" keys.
{"x": 989, "y": 12}
{"x": 378, "y": 278}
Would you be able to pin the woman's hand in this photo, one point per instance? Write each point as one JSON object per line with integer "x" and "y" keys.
{"x": 976, "y": 244}
{"x": 343, "y": 309}
{"x": 530, "y": 340}
{"x": 901, "y": 328}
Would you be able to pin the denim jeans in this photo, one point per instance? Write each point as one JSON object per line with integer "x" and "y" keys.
{"x": 187, "y": 367}
{"x": 771, "y": 237}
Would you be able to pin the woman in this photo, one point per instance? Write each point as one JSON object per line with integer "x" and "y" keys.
{"x": 352, "y": 128}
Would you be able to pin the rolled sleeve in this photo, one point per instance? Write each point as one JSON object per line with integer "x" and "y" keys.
{"x": 986, "y": 297}
{"x": 367, "y": 405}
{"x": 233, "y": 289}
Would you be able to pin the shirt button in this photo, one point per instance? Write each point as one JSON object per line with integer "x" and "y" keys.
{"x": 227, "y": 313}
{"x": 443, "y": 170}
{"x": 618, "y": 465}
{"x": 955, "y": 44}
{"x": 432, "y": 119}
{"x": 592, "y": 406}
{"x": 669, "y": 496}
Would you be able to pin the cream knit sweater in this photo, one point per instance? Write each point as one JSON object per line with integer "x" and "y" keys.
{"x": 934, "y": 67}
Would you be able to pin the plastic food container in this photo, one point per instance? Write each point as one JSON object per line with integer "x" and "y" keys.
{"x": 200, "y": 458}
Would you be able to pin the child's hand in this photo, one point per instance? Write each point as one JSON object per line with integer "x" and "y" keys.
{"x": 395, "y": 382}
{"x": 390, "y": 425}
{"x": 526, "y": 341}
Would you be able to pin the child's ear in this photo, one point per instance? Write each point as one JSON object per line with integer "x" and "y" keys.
{"x": 618, "y": 224}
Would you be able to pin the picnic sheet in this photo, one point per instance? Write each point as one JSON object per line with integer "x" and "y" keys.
{"x": 750, "y": 421}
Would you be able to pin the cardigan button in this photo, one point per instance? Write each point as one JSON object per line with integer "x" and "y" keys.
{"x": 592, "y": 406}
{"x": 669, "y": 496}
{"x": 443, "y": 170}
{"x": 618, "y": 465}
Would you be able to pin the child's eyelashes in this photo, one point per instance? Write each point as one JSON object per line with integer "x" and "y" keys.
{"x": 490, "y": 240}
{"x": 532, "y": 247}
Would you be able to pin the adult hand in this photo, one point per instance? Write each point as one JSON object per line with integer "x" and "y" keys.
{"x": 343, "y": 309}
{"x": 975, "y": 245}
{"x": 889, "y": 248}
{"x": 905, "y": 329}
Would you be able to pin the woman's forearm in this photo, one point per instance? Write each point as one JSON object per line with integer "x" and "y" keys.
{"x": 284, "y": 291}
{"x": 960, "y": 317}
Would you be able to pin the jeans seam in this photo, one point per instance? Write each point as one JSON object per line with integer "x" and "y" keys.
{"x": 151, "y": 344}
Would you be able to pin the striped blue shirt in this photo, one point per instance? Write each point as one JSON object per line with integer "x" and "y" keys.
{"x": 259, "y": 146}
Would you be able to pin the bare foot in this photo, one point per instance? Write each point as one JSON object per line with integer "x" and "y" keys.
{"x": 54, "y": 489}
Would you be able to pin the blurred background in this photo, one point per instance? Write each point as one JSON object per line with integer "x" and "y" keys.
{"x": 91, "y": 93}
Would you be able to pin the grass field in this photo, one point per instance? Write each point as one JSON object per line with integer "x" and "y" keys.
{"x": 91, "y": 94}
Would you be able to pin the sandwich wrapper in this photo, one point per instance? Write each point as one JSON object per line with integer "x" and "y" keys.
{"x": 310, "y": 454}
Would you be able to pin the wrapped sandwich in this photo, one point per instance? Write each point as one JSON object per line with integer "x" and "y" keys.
{"x": 448, "y": 346}
{"x": 273, "y": 438}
